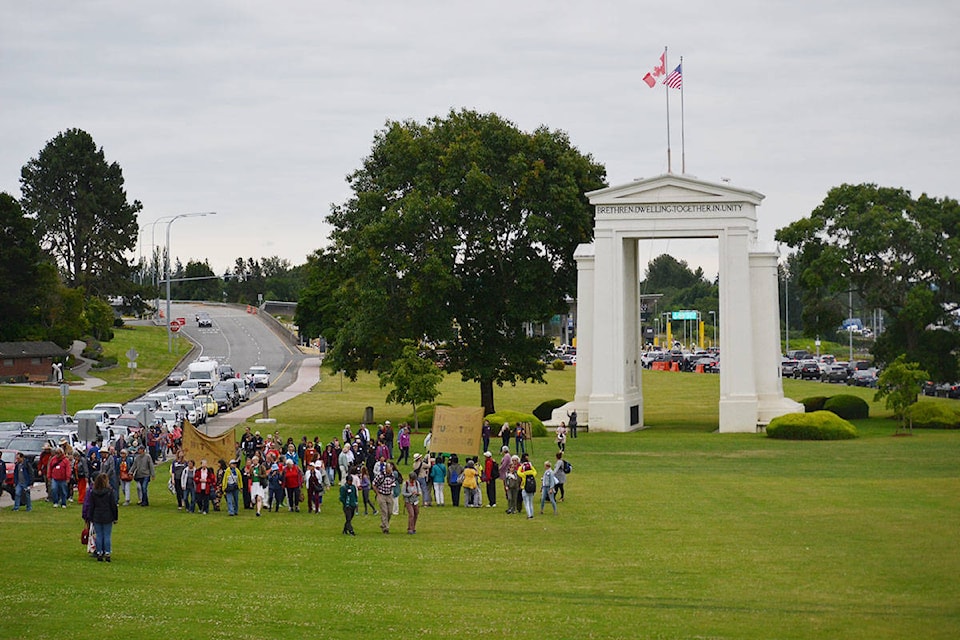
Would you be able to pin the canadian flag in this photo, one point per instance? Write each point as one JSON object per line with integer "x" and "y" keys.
{"x": 659, "y": 70}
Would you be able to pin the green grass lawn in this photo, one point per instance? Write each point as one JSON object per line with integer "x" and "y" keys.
{"x": 670, "y": 532}
{"x": 153, "y": 364}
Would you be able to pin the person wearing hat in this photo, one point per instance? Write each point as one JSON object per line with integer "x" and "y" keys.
{"x": 143, "y": 472}
{"x": 43, "y": 463}
{"x": 547, "y": 487}
{"x": 275, "y": 485}
{"x": 231, "y": 487}
{"x": 384, "y": 484}
{"x": 316, "y": 481}
{"x": 471, "y": 484}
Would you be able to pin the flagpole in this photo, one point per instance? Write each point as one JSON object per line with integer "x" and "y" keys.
{"x": 683, "y": 140}
{"x": 666, "y": 65}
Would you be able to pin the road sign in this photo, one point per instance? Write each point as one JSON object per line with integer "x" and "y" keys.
{"x": 181, "y": 321}
{"x": 174, "y": 326}
{"x": 132, "y": 354}
{"x": 683, "y": 315}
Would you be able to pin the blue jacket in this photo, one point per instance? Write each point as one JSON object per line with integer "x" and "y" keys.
{"x": 23, "y": 474}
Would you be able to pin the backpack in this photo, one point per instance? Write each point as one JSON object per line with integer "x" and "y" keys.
{"x": 530, "y": 484}
{"x": 454, "y": 477}
{"x": 566, "y": 467}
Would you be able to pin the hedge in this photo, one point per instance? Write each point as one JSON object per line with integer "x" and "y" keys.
{"x": 544, "y": 410}
{"x": 819, "y": 425}
{"x": 847, "y": 406}
{"x": 930, "y": 415}
{"x": 813, "y": 403}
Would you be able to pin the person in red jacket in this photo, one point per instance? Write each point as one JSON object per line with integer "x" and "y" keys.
{"x": 59, "y": 471}
{"x": 490, "y": 475}
{"x": 292, "y": 480}
{"x": 205, "y": 479}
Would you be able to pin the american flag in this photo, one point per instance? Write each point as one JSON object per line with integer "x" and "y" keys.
{"x": 675, "y": 79}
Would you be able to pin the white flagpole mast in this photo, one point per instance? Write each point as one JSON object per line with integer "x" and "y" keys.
{"x": 666, "y": 66}
{"x": 683, "y": 141}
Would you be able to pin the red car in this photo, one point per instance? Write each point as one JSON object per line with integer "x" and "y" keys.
{"x": 10, "y": 457}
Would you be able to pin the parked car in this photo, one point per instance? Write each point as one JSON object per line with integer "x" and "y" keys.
{"x": 948, "y": 390}
{"x": 12, "y": 427}
{"x": 30, "y": 444}
{"x": 50, "y": 421}
{"x": 168, "y": 419}
{"x": 209, "y": 404}
{"x": 259, "y": 376}
{"x": 835, "y": 373}
{"x": 863, "y": 378}
{"x": 176, "y": 378}
{"x": 788, "y": 366}
{"x": 929, "y": 388}
{"x": 231, "y": 392}
{"x": 808, "y": 370}
{"x": 113, "y": 409}
{"x": 223, "y": 400}
{"x": 204, "y": 319}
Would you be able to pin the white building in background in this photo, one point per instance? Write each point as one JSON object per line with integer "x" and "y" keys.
{"x": 609, "y": 395}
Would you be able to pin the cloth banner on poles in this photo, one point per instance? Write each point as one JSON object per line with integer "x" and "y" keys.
{"x": 457, "y": 430}
{"x": 197, "y": 446}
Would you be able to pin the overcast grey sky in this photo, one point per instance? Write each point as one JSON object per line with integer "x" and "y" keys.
{"x": 259, "y": 110}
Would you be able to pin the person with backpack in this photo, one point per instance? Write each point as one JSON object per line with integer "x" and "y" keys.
{"x": 490, "y": 475}
{"x": 455, "y": 479}
{"x": 528, "y": 483}
{"x": 275, "y": 484}
{"x": 547, "y": 487}
{"x": 231, "y": 487}
{"x": 316, "y": 481}
{"x": 560, "y": 475}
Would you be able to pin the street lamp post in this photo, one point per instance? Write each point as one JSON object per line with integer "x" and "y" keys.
{"x": 167, "y": 268}
{"x": 714, "y": 321}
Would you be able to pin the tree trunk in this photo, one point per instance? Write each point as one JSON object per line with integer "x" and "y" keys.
{"x": 416, "y": 421}
{"x": 486, "y": 396}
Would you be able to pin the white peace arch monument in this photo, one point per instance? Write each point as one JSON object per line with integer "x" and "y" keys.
{"x": 609, "y": 394}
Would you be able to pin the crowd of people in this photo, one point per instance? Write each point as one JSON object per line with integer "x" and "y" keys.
{"x": 273, "y": 474}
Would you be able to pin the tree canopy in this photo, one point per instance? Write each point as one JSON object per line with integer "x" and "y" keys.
{"x": 20, "y": 271}
{"x": 459, "y": 230}
{"x": 81, "y": 211}
{"x": 898, "y": 254}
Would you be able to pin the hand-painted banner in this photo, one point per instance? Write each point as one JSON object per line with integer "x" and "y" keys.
{"x": 197, "y": 446}
{"x": 457, "y": 430}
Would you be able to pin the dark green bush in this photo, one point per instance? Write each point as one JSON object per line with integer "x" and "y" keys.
{"x": 930, "y": 415}
{"x": 813, "y": 403}
{"x": 847, "y": 406}
{"x": 544, "y": 410}
{"x": 819, "y": 425}
{"x": 118, "y": 322}
{"x": 513, "y": 417}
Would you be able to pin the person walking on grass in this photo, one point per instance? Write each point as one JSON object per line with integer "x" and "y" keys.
{"x": 143, "y": 472}
{"x": 512, "y": 484}
{"x": 471, "y": 484}
{"x": 204, "y": 478}
{"x": 548, "y": 482}
{"x": 348, "y": 498}
{"x": 411, "y": 500}
{"x": 560, "y": 475}
{"x": 528, "y": 484}
{"x": 384, "y": 485}
{"x": 490, "y": 475}
{"x": 438, "y": 477}
{"x": 22, "y": 481}
{"x": 292, "y": 481}
{"x": 189, "y": 484}
{"x": 365, "y": 488}
{"x": 455, "y": 479}
{"x": 231, "y": 488}
{"x": 100, "y": 510}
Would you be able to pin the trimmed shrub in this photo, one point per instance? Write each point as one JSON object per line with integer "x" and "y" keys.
{"x": 513, "y": 417}
{"x": 544, "y": 410}
{"x": 557, "y": 365}
{"x": 424, "y": 416}
{"x": 847, "y": 406}
{"x": 93, "y": 349}
{"x": 813, "y": 403}
{"x": 819, "y": 425}
{"x": 930, "y": 415}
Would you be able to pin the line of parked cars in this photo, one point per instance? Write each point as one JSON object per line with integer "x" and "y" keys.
{"x": 828, "y": 369}
{"x": 942, "y": 389}
{"x": 705, "y": 360}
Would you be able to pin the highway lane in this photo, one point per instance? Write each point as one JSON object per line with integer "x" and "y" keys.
{"x": 241, "y": 340}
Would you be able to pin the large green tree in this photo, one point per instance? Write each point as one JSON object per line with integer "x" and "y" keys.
{"x": 82, "y": 215}
{"x": 898, "y": 254}
{"x": 460, "y": 230}
{"x": 21, "y": 276}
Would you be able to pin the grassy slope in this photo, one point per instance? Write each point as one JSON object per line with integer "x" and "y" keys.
{"x": 671, "y": 532}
